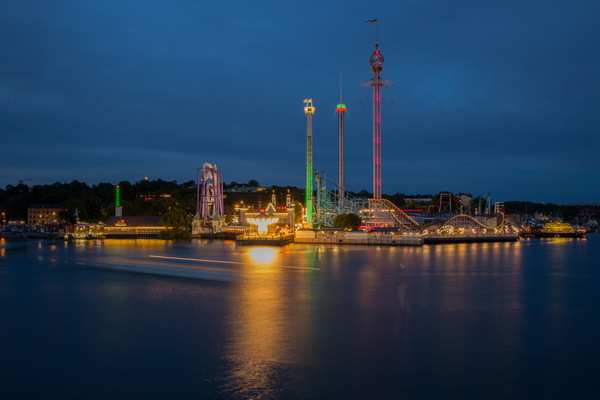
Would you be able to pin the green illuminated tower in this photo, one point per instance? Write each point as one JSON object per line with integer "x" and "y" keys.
{"x": 118, "y": 208}
{"x": 309, "y": 110}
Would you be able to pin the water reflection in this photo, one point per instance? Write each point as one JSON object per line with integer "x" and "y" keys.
{"x": 256, "y": 341}
{"x": 375, "y": 303}
{"x": 262, "y": 255}
{"x": 323, "y": 321}
{"x": 271, "y": 324}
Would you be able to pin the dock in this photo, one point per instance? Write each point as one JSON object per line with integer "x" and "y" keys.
{"x": 264, "y": 240}
{"x": 372, "y": 241}
{"x": 469, "y": 239}
{"x": 357, "y": 238}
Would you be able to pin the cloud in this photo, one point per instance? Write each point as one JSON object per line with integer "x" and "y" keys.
{"x": 477, "y": 85}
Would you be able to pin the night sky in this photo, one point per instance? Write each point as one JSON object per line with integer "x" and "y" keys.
{"x": 499, "y": 97}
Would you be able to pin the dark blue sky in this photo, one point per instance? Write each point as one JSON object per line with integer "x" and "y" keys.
{"x": 500, "y": 97}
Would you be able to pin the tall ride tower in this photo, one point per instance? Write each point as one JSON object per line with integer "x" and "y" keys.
{"x": 341, "y": 110}
{"x": 376, "y": 83}
{"x": 309, "y": 110}
{"x": 118, "y": 207}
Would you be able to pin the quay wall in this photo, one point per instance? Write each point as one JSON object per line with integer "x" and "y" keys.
{"x": 401, "y": 241}
{"x": 252, "y": 240}
{"x": 470, "y": 239}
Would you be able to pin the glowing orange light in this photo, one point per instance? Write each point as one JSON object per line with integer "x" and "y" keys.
{"x": 262, "y": 221}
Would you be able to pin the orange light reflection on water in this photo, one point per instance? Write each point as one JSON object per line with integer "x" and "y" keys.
{"x": 262, "y": 255}
{"x": 268, "y": 328}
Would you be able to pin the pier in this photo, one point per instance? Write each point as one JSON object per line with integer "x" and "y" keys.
{"x": 470, "y": 239}
{"x": 373, "y": 241}
{"x": 264, "y": 240}
{"x": 357, "y": 237}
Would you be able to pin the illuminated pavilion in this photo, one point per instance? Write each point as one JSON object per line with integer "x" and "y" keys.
{"x": 282, "y": 217}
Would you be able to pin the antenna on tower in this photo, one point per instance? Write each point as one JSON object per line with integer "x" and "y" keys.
{"x": 341, "y": 88}
{"x": 374, "y": 21}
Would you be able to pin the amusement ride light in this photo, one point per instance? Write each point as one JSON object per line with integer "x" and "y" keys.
{"x": 262, "y": 220}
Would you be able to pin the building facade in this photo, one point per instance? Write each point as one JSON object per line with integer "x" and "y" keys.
{"x": 133, "y": 227}
{"x": 43, "y": 214}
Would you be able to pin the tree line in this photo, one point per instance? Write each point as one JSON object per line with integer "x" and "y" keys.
{"x": 95, "y": 203}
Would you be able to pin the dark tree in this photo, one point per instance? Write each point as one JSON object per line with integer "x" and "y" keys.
{"x": 349, "y": 221}
{"x": 177, "y": 223}
{"x": 177, "y": 219}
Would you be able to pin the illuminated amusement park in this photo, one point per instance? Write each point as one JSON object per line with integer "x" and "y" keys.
{"x": 379, "y": 221}
{"x": 323, "y": 211}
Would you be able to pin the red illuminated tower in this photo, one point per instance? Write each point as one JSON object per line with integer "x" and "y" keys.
{"x": 376, "y": 83}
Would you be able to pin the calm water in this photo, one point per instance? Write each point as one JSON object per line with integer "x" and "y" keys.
{"x": 465, "y": 321}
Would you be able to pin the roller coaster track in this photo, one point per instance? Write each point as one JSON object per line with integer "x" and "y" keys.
{"x": 468, "y": 219}
{"x": 384, "y": 212}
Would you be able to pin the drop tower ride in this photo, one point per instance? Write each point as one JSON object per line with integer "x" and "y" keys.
{"x": 376, "y": 83}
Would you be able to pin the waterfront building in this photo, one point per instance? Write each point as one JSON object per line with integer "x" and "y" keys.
{"x": 16, "y": 221}
{"x": 133, "y": 227}
{"x": 43, "y": 214}
{"x": 83, "y": 231}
